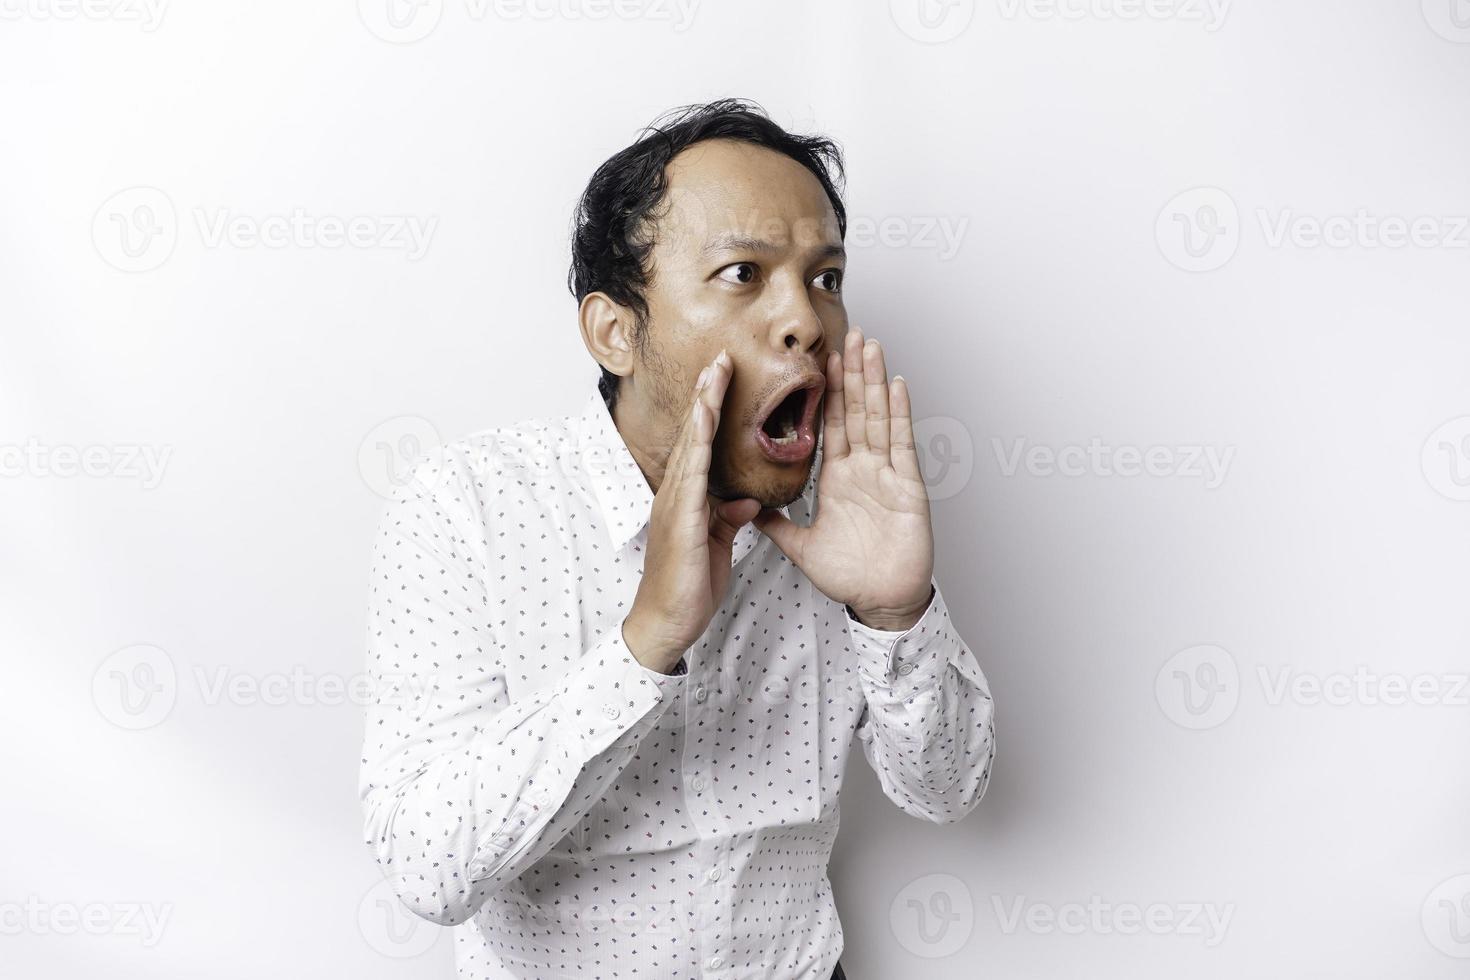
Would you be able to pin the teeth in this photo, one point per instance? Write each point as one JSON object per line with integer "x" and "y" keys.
{"x": 788, "y": 420}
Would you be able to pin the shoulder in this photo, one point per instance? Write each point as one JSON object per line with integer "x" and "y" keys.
{"x": 520, "y": 460}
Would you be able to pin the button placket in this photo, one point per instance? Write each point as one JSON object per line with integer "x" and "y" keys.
{"x": 711, "y": 894}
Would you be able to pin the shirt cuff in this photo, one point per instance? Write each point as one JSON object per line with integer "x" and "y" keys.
{"x": 890, "y": 656}
{"x": 606, "y": 696}
{"x": 612, "y": 693}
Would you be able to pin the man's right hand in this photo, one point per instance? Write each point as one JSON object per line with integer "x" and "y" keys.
{"x": 686, "y": 568}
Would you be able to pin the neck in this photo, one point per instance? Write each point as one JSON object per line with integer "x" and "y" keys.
{"x": 633, "y": 424}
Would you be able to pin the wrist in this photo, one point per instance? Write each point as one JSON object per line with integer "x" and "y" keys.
{"x": 646, "y": 649}
{"x": 895, "y": 620}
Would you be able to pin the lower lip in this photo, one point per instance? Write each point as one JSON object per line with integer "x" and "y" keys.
{"x": 795, "y": 451}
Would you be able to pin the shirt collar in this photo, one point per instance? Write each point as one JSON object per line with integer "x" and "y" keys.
{"x": 622, "y": 491}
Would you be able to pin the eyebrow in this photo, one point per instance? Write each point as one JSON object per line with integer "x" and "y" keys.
{"x": 736, "y": 243}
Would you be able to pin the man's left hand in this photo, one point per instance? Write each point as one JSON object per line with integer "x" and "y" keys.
{"x": 871, "y": 546}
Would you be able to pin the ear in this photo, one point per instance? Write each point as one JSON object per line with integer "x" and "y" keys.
{"x": 607, "y": 330}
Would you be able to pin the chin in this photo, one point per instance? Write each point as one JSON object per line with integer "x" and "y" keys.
{"x": 774, "y": 487}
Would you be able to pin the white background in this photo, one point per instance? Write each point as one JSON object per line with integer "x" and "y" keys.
{"x": 1334, "y": 378}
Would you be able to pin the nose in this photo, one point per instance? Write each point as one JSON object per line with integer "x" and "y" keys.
{"x": 796, "y": 326}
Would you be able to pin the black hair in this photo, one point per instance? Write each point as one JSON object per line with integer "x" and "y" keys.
{"x": 613, "y": 229}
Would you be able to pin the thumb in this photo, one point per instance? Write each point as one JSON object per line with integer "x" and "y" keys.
{"x": 730, "y": 516}
{"x": 783, "y": 530}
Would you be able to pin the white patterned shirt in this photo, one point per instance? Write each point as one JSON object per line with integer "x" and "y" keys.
{"x": 575, "y": 814}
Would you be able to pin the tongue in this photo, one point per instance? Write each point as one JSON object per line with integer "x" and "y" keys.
{"x": 782, "y": 422}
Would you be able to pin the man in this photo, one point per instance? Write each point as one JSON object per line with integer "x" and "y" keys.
{"x": 619, "y": 657}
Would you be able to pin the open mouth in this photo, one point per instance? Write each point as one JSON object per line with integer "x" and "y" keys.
{"x": 788, "y": 432}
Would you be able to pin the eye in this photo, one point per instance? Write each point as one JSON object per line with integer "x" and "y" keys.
{"x": 740, "y": 273}
{"x": 829, "y": 280}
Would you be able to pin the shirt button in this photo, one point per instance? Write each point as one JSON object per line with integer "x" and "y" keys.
{"x": 611, "y": 710}
{"x": 715, "y": 962}
{"x": 697, "y": 784}
{"x": 700, "y": 694}
{"x": 906, "y": 669}
{"x": 714, "y": 874}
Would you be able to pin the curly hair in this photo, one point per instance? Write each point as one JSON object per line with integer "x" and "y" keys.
{"x": 615, "y": 224}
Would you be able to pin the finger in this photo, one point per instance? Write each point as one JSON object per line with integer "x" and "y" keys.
{"x": 729, "y": 516}
{"x": 834, "y": 414}
{"x": 786, "y": 533}
{"x": 875, "y": 396}
{"x": 692, "y": 478}
{"x": 904, "y": 454}
{"x": 856, "y": 413}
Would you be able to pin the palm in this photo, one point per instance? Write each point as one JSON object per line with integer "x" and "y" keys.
{"x": 871, "y": 545}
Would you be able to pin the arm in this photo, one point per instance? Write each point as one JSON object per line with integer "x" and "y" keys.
{"x": 463, "y": 789}
{"x": 928, "y": 728}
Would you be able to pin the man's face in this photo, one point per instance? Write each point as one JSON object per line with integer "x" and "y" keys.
{"x": 747, "y": 257}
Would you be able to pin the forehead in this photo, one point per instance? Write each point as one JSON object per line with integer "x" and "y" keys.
{"x": 722, "y": 189}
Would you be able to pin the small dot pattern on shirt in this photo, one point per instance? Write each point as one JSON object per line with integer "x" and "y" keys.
{"x": 574, "y": 814}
